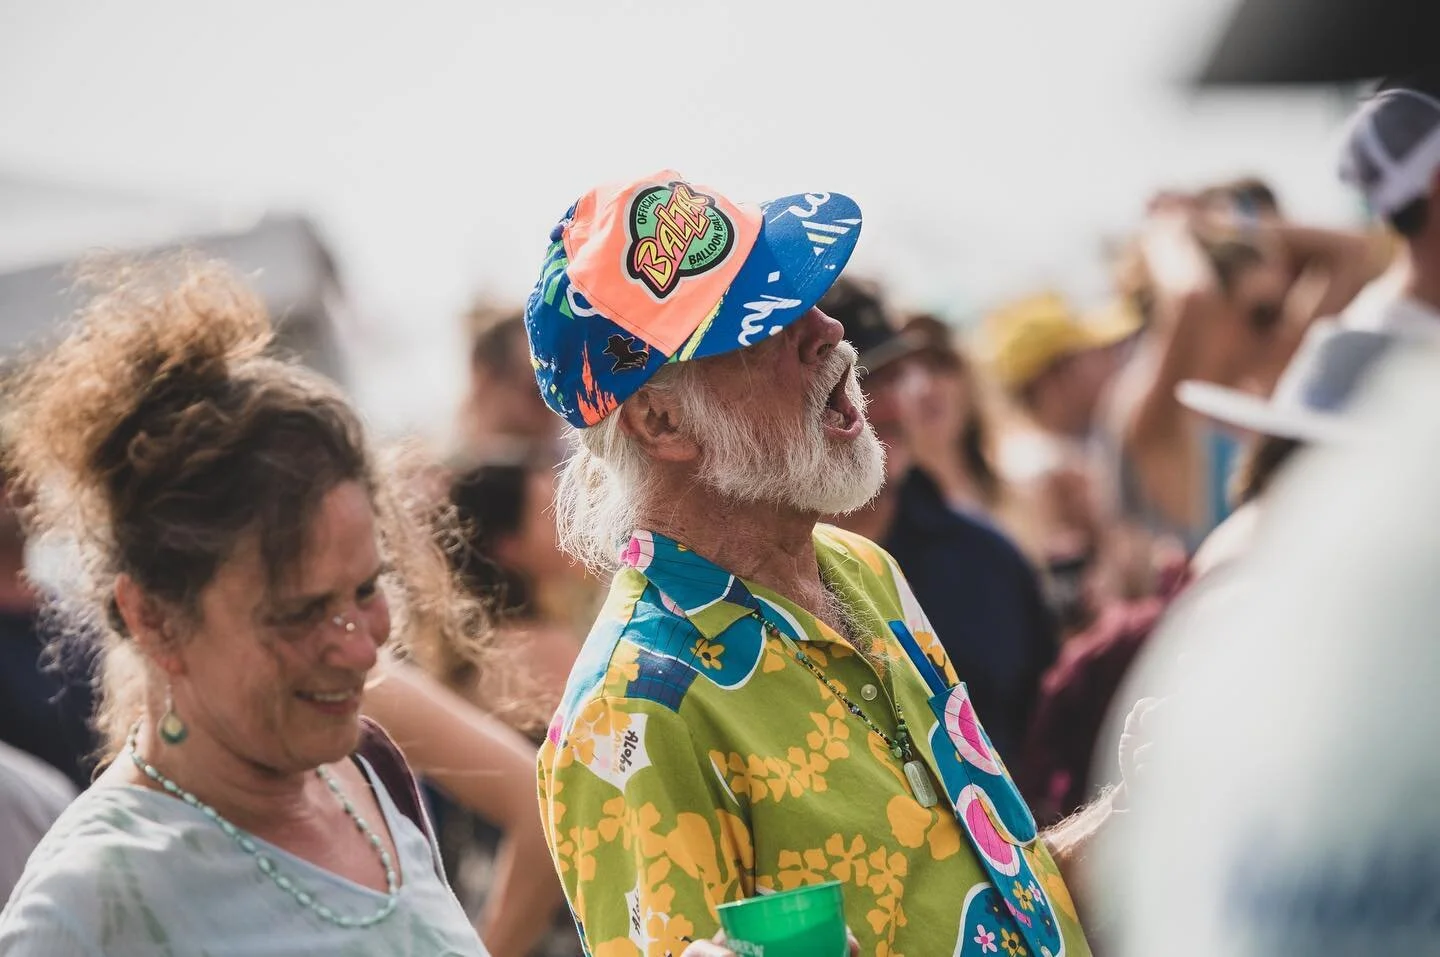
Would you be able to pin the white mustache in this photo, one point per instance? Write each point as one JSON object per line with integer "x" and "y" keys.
{"x": 839, "y": 363}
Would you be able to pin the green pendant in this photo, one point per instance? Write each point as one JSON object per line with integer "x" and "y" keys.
{"x": 172, "y": 729}
{"x": 920, "y": 784}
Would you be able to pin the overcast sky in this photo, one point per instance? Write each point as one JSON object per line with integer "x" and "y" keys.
{"x": 992, "y": 146}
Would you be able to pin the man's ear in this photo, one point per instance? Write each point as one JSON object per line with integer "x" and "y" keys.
{"x": 652, "y": 419}
{"x": 149, "y": 624}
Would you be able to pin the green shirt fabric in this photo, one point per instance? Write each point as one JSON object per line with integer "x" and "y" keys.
{"x": 694, "y": 761}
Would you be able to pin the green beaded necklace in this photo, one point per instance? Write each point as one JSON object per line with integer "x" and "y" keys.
{"x": 263, "y": 860}
{"x": 901, "y": 746}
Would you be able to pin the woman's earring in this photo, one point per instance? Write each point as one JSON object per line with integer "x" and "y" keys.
{"x": 172, "y": 728}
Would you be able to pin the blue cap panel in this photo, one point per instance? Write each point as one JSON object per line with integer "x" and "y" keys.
{"x": 804, "y": 244}
{"x": 585, "y": 365}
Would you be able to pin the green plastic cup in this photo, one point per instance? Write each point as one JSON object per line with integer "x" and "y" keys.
{"x": 806, "y": 922}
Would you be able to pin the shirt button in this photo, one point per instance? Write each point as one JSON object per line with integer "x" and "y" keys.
{"x": 869, "y": 692}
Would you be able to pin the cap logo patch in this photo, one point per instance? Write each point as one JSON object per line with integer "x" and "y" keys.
{"x": 675, "y": 231}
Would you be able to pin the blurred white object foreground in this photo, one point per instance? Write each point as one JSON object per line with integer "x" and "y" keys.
{"x": 1292, "y": 804}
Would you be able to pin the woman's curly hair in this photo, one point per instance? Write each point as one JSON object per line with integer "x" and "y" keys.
{"x": 161, "y": 433}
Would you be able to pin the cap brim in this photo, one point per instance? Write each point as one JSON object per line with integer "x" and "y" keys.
{"x": 804, "y": 243}
{"x": 1258, "y": 414}
{"x": 890, "y": 351}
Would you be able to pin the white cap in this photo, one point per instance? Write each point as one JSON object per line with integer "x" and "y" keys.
{"x": 1392, "y": 148}
{"x": 1307, "y": 404}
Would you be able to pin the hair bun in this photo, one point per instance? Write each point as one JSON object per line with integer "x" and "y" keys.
{"x": 155, "y": 344}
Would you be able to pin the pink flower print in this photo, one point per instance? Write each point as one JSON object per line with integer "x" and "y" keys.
{"x": 986, "y": 940}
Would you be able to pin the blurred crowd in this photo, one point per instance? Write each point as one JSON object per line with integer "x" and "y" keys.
{"x": 1058, "y": 477}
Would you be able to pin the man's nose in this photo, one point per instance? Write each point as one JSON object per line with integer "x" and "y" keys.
{"x": 818, "y": 334}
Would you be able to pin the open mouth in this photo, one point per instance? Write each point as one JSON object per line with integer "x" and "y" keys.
{"x": 841, "y": 416}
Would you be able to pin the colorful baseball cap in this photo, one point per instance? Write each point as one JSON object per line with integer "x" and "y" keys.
{"x": 662, "y": 270}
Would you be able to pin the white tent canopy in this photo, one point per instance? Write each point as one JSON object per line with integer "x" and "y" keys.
{"x": 49, "y": 227}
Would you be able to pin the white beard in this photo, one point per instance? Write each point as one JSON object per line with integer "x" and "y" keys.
{"x": 754, "y": 457}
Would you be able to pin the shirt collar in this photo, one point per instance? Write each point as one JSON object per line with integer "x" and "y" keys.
{"x": 712, "y": 599}
{"x": 690, "y": 585}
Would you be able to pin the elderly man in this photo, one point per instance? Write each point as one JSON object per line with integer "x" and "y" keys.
{"x": 761, "y": 704}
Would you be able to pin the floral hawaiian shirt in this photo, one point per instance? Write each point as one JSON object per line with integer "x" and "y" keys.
{"x": 695, "y": 760}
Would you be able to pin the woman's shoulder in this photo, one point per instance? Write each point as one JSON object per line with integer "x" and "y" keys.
{"x": 99, "y": 824}
{"x": 107, "y": 834}
{"x": 122, "y": 808}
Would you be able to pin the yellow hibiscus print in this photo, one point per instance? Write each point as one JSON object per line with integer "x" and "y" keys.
{"x": 1023, "y": 895}
{"x": 847, "y": 861}
{"x": 563, "y": 850}
{"x": 667, "y": 935}
{"x": 774, "y": 659}
{"x": 745, "y": 776}
{"x": 1011, "y": 942}
{"x": 721, "y": 866}
{"x": 887, "y": 873}
{"x": 658, "y": 894}
{"x": 782, "y": 779}
{"x": 709, "y": 653}
{"x": 886, "y": 918}
{"x": 598, "y": 719}
{"x": 914, "y": 826}
{"x": 1060, "y": 894}
{"x": 829, "y": 736}
{"x": 612, "y": 821}
{"x": 585, "y": 842}
{"x": 799, "y": 868}
{"x": 773, "y": 778}
{"x": 644, "y": 824}
{"x": 622, "y": 673}
{"x": 809, "y": 770}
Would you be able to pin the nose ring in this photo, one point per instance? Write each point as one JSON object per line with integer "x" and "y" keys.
{"x": 341, "y": 622}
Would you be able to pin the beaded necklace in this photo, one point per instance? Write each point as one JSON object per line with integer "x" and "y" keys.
{"x": 901, "y": 746}
{"x": 263, "y": 860}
